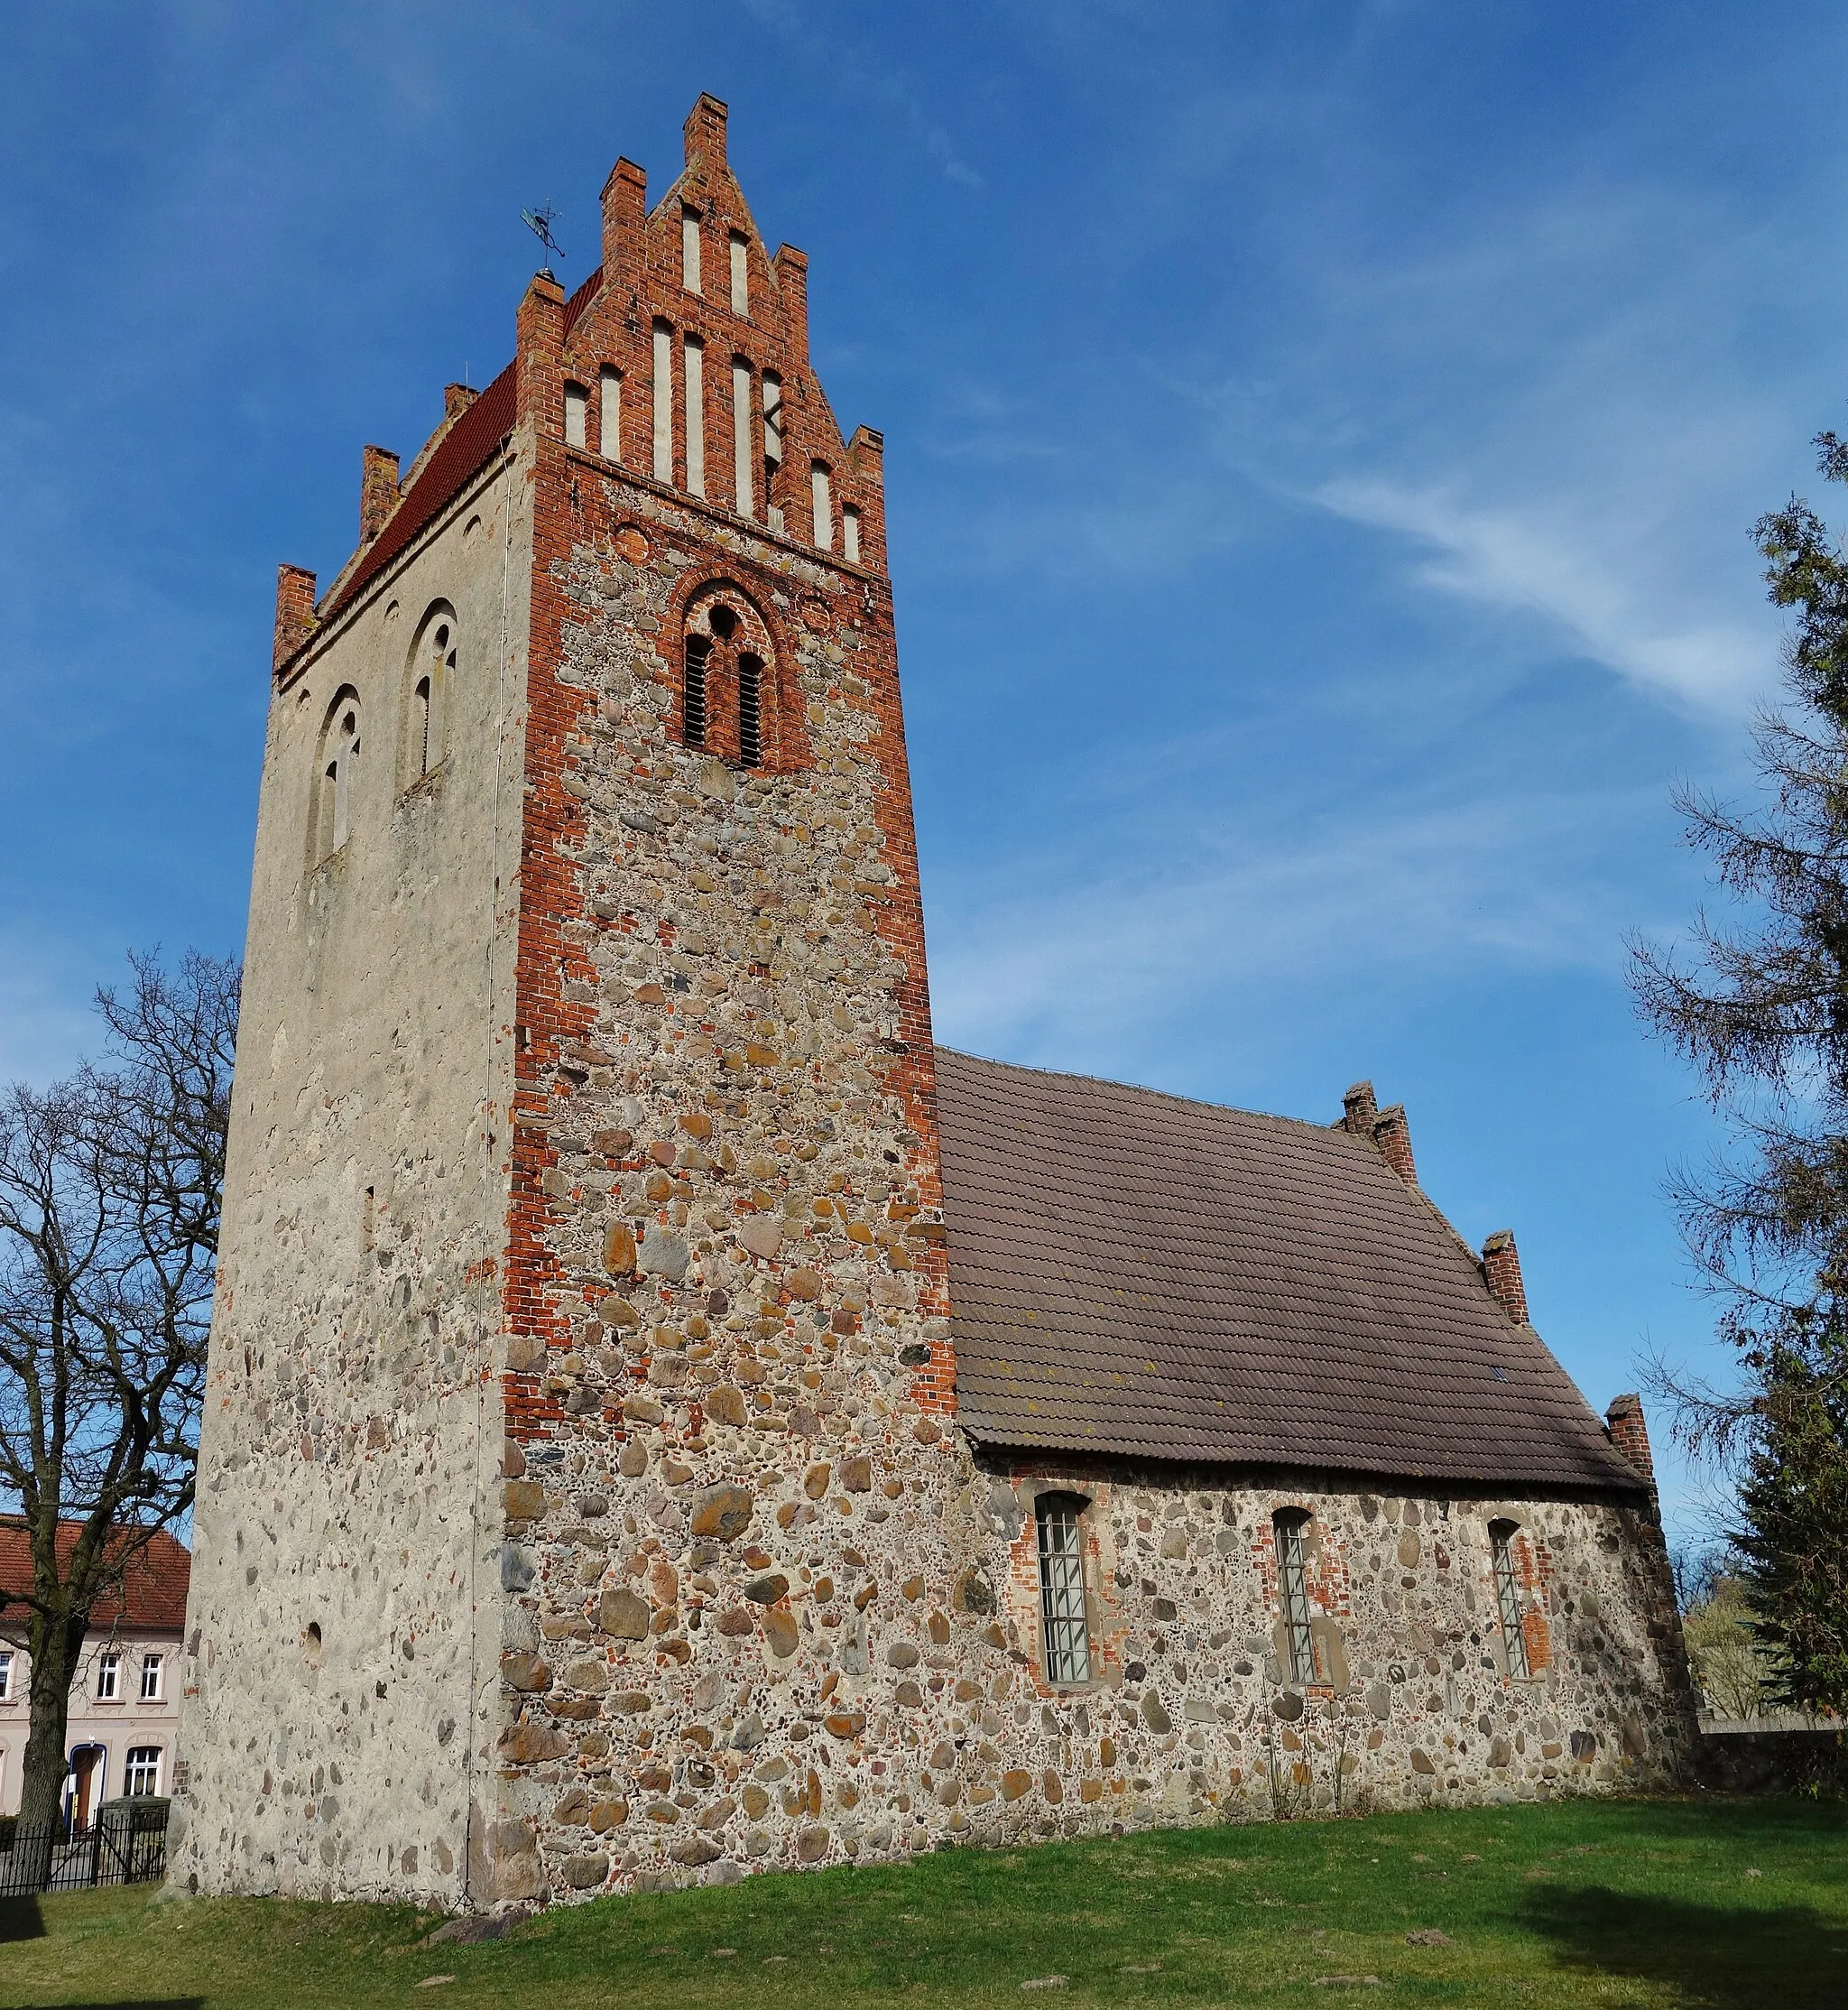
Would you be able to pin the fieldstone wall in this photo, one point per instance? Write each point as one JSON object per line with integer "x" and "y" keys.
{"x": 332, "y": 1708}
{"x": 768, "y": 1609}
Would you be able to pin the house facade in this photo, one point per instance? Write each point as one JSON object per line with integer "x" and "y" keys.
{"x": 666, "y": 1418}
{"x": 124, "y": 1698}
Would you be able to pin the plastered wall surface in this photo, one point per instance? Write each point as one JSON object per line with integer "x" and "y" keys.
{"x": 350, "y": 1391}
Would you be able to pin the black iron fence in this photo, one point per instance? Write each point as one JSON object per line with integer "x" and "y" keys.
{"x": 126, "y": 1844}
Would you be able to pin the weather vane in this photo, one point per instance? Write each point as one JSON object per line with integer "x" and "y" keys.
{"x": 539, "y": 223}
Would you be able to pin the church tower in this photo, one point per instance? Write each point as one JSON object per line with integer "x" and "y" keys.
{"x": 576, "y": 1426}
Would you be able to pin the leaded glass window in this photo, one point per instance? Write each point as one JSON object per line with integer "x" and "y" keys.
{"x": 1062, "y": 1588}
{"x": 1508, "y": 1596}
{"x": 1293, "y": 1595}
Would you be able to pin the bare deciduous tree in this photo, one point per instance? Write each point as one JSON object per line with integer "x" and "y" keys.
{"x": 110, "y": 1185}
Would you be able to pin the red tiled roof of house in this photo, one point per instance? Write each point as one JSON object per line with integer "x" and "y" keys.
{"x": 1138, "y": 1275}
{"x": 464, "y": 451}
{"x": 465, "y": 448}
{"x": 154, "y": 1588}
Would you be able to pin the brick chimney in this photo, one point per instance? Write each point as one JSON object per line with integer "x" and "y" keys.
{"x": 1358, "y": 1110}
{"x": 706, "y": 133}
{"x": 1392, "y": 1135}
{"x": 1501, "y": 1274}
{"x": 1630, "y": 1435}
{"x": 624, "y": 218}
{"x": 457, "y": 400}
{"x": 378, "y": 490}
{"x": 294, "y": 613}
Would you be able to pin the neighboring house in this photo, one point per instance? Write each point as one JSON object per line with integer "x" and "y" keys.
{"x": 669, "y": 1418}
{"x": 124, "y": 1702}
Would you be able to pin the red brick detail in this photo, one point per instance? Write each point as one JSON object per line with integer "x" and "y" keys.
{"x": 378, "y": 490}
{"x": 457, "y": 400}
{"x": 1393, "y": 1134}
{"x": 1630, "y": 1435}
{"x": 785, "y": 732}
{"x": 1501, "y": 1274}
{"x": 1359, "y": 1110}
{"x": 294, "y": 613}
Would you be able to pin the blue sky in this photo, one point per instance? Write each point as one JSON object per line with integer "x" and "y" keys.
{"x": 1321, "y": 445}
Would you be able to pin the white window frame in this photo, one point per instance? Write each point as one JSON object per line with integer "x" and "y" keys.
{"x": 1058, "y": 1523}
{"x": 153, "y": 1663}
{"x": 131, "y": 1769}
{"x": 1508, "y": 1602}
{"x": 1289, "y": 1529}
{"x": 109, "y": 1676}
{"x": 6, "y": 1674}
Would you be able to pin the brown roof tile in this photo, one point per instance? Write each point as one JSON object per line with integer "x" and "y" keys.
{"x": 1134, "y": 1273}
{"x": 153, "y": 1592}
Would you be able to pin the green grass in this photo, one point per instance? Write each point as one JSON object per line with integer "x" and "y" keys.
{"x": 1736, "y": 1905}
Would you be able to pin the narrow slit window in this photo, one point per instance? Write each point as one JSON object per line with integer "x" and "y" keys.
{"x": 1293, "y": 1598}
{"x": 772, "y": 447}
{"x": 663, "y": 403}
{"x": 609, "y": 437}
{"x": 693, "y": 692}
{"x": 576, "y": 415}
{"x": 741, "y": 275}
{"x": 741, "y": 435}
{"x": 1508, "y": 1597}
{"x": 850, "y": 536}
{"x": 420, "y": 724}
{"x": 332, "y": 810}
{"x": 822, "y": 491}
{"x": 696, "y": 417}
{"x": 750, "y": 711}
{"x": 689, "y": 248}
{"x": 1062, "y": 1588}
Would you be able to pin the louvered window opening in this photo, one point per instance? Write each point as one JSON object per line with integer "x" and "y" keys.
{"x": 1508, "y": 1596}
{"x": 750, "y": 711}
{"x": 1062, "y": 1588}
{"x": 1293, "y": 1595}
{"x": 693, "y": 694}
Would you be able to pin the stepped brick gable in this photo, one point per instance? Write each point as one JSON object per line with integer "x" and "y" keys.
{"x": 666, "y": 1418}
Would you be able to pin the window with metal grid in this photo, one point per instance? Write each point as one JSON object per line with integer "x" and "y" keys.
{"x": 1293, "y": 1595}
{"x": 693, "y": 692}
{"x": 1062, "y": 1588}
{"x": 1508, "y": 1596}
{"x": 750, "y": 710}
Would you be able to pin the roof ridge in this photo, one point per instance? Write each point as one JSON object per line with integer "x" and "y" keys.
{"x": 1143, "y": 1089}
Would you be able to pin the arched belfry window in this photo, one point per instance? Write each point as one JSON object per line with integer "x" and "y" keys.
{"x": 429, "y": 684}
{"x": 335, "y": 772}
{"x": 728, "y": 679}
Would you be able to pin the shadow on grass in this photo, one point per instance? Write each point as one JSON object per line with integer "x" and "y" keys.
{"x": 1726, "y": 1958}
{"x": 21, "y": 1920}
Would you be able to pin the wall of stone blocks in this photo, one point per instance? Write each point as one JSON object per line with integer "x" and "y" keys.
{"x": 350, "y": 1394}
{"x": 770, "y": 1611}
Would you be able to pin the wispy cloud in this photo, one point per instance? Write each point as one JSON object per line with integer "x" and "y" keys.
{"x": 1523, "y": 561}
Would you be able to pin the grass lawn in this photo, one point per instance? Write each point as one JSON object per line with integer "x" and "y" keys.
{"x": 1742, "y": 1905}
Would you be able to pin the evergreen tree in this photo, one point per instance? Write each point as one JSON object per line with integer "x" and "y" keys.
{"x": 1762, "y": 1014}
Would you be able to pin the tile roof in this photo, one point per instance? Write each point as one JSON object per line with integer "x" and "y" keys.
{"x": 467, "y": 448}
{"x": 1134, "y": 1273}
{"x": 153, "y": 1592}
{"x": 464, "y": 449}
